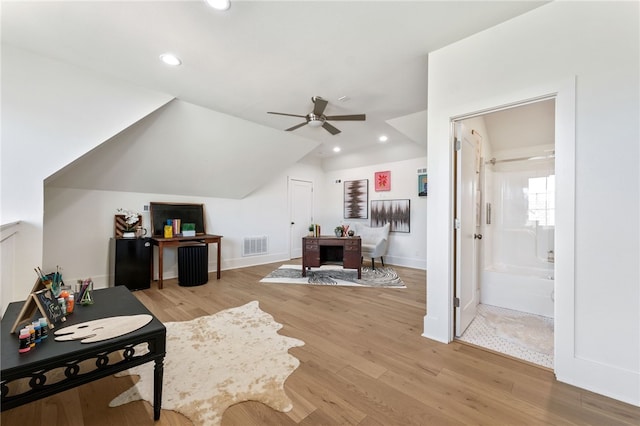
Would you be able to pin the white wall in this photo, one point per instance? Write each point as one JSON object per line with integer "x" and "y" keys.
{"x": 405, "y": 249}
{"x": 47, "y": 122}
{"x": 78, "y": 224}
{"x": 597, "y": 249}
{"x": 8, "y": 237}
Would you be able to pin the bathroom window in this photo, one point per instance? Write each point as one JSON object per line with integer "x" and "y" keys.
{"x": 541, "y": 196}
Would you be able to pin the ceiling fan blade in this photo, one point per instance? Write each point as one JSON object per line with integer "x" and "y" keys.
{"x": 328, "y": 127}
{"x": 290, "y": 115}
{"x": 296, "y": 126}
{"x": 354, "y": 117}
{"x": 320, "y": 105}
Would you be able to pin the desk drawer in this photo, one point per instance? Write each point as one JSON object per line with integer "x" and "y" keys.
{"x": 311, "y": 246}
{"x": 352, "y": 245}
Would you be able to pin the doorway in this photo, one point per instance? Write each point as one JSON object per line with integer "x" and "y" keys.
{"x": 504, "y": 251}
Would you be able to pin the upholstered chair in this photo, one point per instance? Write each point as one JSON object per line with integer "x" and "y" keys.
{"x": 375, "y": 241}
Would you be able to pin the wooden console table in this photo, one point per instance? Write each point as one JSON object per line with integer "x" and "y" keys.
{"x": 183, "y": 241}
{"x": 318, "y": 251}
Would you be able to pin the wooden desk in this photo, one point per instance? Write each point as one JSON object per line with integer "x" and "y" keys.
{"x": 183, "y": 241}
{"x": 24, "y": 376}
{"x": 318, "y": 251}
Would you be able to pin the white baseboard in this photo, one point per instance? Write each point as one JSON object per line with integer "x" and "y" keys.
{"x": 604, "y": 379}
{"x": 244, "y": 262}
{"x": 405, "y": 261}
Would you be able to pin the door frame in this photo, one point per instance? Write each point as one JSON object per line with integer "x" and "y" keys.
{"x": 564, "y": 93}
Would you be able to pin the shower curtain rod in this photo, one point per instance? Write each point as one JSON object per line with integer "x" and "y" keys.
{"x": 508, "y": 160}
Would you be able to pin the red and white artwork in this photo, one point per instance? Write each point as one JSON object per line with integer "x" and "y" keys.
{"x": 382, "y": 181}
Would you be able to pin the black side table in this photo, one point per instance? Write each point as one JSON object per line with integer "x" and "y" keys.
{"x": 49, "y": 355}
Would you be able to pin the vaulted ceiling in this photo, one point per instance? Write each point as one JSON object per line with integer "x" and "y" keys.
{"x": 362, "y": 56}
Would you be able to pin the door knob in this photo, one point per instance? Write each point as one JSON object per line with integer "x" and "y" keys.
{"x": 477, "y": 236}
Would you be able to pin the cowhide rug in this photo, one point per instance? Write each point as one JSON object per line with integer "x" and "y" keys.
{"x": 216, "y": 361}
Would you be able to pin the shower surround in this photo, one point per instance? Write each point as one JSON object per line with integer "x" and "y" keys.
{"x": 518, "y": 256}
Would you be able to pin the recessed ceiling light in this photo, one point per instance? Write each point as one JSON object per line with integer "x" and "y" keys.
{"x": 336, "y": 149}
{"x": 219, "y": 4}
{"x": 170, "y": 59}
{"x": 383, "y": 138}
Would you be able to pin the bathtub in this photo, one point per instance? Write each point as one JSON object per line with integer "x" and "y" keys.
{"x": 519, "y": 288}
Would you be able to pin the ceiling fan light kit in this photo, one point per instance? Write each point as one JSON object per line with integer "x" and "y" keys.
{"x": 318, "y": 119}
{"x": 315, "y": 121}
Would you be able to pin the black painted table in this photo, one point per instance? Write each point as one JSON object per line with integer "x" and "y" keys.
{"x": 103, "y": 356}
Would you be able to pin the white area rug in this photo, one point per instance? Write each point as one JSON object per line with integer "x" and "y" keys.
{"x": 335, "y": 275}
{"x": 216, "y": 361}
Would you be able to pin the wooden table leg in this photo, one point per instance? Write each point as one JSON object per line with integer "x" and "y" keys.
{"x": 160, "y": 267}
{"x": 151, "y": 264}
{"x": 219, "y": 243}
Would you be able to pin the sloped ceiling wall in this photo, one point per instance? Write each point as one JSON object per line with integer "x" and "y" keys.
{"x": 414, "y": 126}
{"x": 186, "y": 149}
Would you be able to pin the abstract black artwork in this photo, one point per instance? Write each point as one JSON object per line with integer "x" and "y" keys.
{"x": 395, "y": 212}
{"x": 356, "y": 199}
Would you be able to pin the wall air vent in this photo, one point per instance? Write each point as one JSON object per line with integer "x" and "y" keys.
{"x": 252, "y": 246}
{"x": 422, "y": 171}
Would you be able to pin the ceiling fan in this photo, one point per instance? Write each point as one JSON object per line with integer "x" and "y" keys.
{"x": 318, "y": 119}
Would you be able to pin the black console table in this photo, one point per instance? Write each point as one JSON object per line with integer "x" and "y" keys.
{"x": 50, "y": 355}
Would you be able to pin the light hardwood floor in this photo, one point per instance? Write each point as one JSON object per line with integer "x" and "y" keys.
{"x": 364, "y": 362}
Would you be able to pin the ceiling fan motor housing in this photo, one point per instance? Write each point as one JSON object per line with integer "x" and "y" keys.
{"x": 315, "y": 120}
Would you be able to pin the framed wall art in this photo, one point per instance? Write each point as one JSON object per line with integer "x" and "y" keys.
{"x": 356, "y": 199}
{"x": 382, "y": 181}
{"x": 422, "y": 185}
{"x": 395, "y": 212}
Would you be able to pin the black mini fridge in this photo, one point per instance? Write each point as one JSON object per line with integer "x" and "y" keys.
{"x": 130, "y": 262}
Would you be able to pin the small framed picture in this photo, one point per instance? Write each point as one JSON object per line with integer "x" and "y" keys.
{"x": 422, "y": 185}
{"x": 382, "y": 181}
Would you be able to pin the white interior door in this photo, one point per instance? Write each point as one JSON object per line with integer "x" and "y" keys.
{"x": 468, "y": 235}
{"x": 300, "y": 213}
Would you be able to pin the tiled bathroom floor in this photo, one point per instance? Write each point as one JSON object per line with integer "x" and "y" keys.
{"x": 518, "y": 334}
